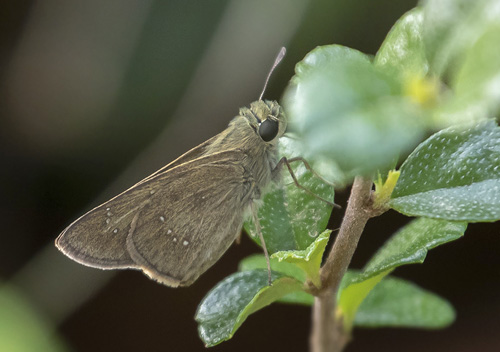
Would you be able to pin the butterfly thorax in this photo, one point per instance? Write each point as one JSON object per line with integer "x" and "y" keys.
{"x": 259, "y": 157}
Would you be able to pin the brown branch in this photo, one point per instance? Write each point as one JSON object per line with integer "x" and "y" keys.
{"x": 327, "y": 333}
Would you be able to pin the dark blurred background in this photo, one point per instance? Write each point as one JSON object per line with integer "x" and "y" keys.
{"x": 96, "y": 95}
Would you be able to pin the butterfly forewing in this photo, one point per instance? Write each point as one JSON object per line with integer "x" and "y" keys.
{"x": 191, "y": 154}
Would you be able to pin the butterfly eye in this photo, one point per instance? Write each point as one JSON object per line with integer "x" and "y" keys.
{"x": 268, "y": 129}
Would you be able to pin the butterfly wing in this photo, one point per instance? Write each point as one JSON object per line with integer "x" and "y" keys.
{"x": 98, "y": 238}
{"x": 195, "y": 217}
{"x": 173, "y": 225}
{"x": 191, "y": 154}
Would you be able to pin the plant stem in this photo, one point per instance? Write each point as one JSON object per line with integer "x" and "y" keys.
{"x": 328, "y": 334}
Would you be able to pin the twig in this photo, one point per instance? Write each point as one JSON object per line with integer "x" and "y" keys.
{"x": 328, "y": 334}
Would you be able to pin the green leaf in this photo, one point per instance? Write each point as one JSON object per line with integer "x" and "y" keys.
{"x": 451, "y": 27}
{"x": 22, "y": 328}
{"x": 476, "y": 85}
{"x": 347, "y": 111}
{"x": 384, "y": 188}
{"x": 298, "y": 297}
{"x": 410, "y": 244}
{"x": 299, "y": 264}
{"x": 398, "y": 303}
{"x": 309, "y": 259}
{"x": 228, "y": 304}
{"x": 407, "y": 246}
{"x": 291, "y": 218}
{"x": 453, "y": 175}
{"x": 353, "y": 294}
{"x": 402, "y": 53}
{"x": 258, "y": 261}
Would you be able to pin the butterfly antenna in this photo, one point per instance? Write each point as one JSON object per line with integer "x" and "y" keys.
{"x": 280, "y": 57}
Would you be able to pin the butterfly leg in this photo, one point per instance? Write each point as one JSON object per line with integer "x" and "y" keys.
{"x": 287, "y": 162}
{"x": 259, "y": 231}
{"x": 310, "y": 169}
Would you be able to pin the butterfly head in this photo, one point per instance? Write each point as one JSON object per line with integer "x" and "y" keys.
{"x": 267, "y": 119}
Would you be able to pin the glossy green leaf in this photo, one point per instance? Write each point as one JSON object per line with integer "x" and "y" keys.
{"x": 454, "y": 175}
{"x": 347, "y": 111}
{"x": 291, "y": 218}
{"x": 22, "y": 328}
{"x": 451, "y": 27}
{"x": 228, "y": 304}
{"x": 403, "y": 53}
{"x": 258, "y": 261}
{"x": 399, "y": 303}
{"x": 407, "y": 246}
{"x": 410, "y": 244}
